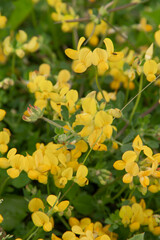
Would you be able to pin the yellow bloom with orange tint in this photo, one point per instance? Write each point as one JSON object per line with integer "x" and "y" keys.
{"x": 82, "y": 57}
{"x": 150, "y": 68}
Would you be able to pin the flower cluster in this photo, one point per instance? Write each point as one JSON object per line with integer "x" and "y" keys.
{"x": 53, "y": 158}
{"x": 145, "y": 168}
{"x": 63, "y": 13}
{"x": 44, "y": 219}
{"x": 136, "y": 215}
{"x": 84, "y": 57}
{"x": 86, "y": 230}
{"x": 4, "y": 135}
{"x": 19, "y": 44}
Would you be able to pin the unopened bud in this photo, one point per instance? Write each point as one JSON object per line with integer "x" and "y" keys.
{"x": 32, "y": 114}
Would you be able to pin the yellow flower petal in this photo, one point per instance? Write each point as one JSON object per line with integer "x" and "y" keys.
{"x": 80, "y": 42}
{"x": 150, "y": 67}
{"x": 109, "y": 46}
{"x": 2, "y": 114}
{"x": 35, "y": 204}
{"x": 63, "y": 205}
{"x": 119, "y": 165}
{"x": 39, "y": 218}
{"x": 68, "y": 235}
{"x": 116, "y": 56}
{"x": 52, "y": 199}
{"x": 71, "y": 53}
{"x": 78, "y": 230}
{"x": 157, "y": 37}
{"x": 127, "y": 178}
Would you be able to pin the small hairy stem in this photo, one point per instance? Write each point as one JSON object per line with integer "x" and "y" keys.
{"x": 54, "y": 123}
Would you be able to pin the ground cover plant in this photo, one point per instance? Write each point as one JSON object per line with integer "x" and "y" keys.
{"x": 79, "y": 120}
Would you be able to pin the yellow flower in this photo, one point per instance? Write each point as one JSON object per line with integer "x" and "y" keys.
{"x": 82, "y": 57}
{"x": 4, "y": 140}
{"x": 1, "y": 218}
{"x": 157, "y": 37}
{"x": 35, "y": 204}
{"x": 21, "y": 36}
{"x": 127, "y": 157}
{"x": 81, "y": 174}
{"x": 3, "y": 21}
{"x": 40, "y": 219}
{"x": 53, "y": 201}
{"x": 32, "y": 45}
{"x": 125, "y": 213}
{"x": 137, "y": 144}
{"x": 112, "y": 56}
{"x": 144, "y": 26}
{"x": 150, "y": 68}
{"x": 2, "y": 114}
{"x": 99, "y": 59}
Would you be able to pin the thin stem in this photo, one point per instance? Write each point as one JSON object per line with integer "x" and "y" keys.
{"x": 120, "y": 192}
{"x": 13, "y": 63}
{"x": 3, "y": 185}
{"x": 138, "y": 98}
{"x": 99, "y": 86}
{"x": 54, "y": 124}
{"x": 64, "y": 222}
{"x": 87, "y": 155}
{"x": 37, "y": 232}
{"x": 86, "y": 19}
{"x": 111, "y": 17}
{"x": 29, "y": 233}
{"x": 50, "y": 212}
{"x": 66, "y": 191}
{"x": 127, "y": 93}
{"x": 154, "y": 106}
{"x": 140, "y": 92}
{"x": 92, "y": 148}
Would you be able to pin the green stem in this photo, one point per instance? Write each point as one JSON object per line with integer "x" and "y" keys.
{"x": 64, "y": 222}
{"x": 48, "y": 189}
{"x": 54, "y": 123}
{"x": 127, "y": 93}
{"x": 13, "y": 63}
{"x": 111, "y": 17}
{"x": 3, "y": 185}
{"x": 35, "y": 234}
{"x": 120, "y": 192}
{"x": 34, "y": 21}
{"x": 29, "y": 233}
{"x": 138, "y": 98}
{"x": 87, "y": 155}
{"x": 99, "y": 86}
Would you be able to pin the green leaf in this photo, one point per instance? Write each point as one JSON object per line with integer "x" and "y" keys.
{"x": 14, "y": 210}
{"x": 21, "y": 181}
{"x": 126, "y": 66}
{"x": 126, "y": 147}
{"x": 21, "y": 11}
{"x": 64, "y": 112}
{"x": 61, "y": 123}
{"x": 84, "y": 204}
{"x": 120, "y": 100}
{"x": 78, "y": 128}
{"x": 153, "y": 15}
{"x": 137, "y": 237}
{"x": 70, "y": 146}
{"x": 129, "y": 137}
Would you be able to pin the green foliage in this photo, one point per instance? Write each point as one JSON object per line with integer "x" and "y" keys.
{"x": 137, "y": 237}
